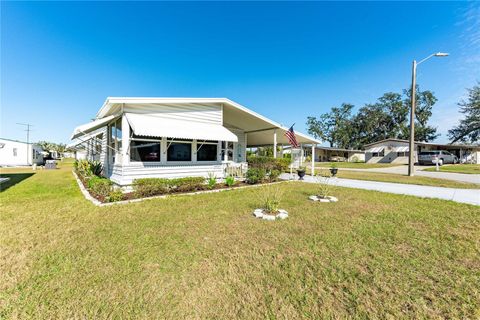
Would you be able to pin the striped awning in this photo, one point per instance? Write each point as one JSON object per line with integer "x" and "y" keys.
{"x": 401, "y": 149}
{"x": 376, "y": 149}
{"x": 152, "y": 126}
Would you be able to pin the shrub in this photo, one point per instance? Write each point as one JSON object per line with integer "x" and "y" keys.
{"x": 255, "y": 175}
{"x": 115, "y": 195}
{"x": 211, "y": 180}
{"x": 230, "y": 181}
{"x": 273, "y": 175}
{"x": 86, "y": 168}
{"x": 269, "y": 163}
{"x": 188, "y": 184}
{"x": 147, "y": 187}
{"x": 100, "y": 186}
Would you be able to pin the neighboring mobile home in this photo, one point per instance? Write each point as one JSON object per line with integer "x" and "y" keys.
{"x": 176, "y": 137}
{"x": 18, "y": 153}
{"x": 397, "y": 151}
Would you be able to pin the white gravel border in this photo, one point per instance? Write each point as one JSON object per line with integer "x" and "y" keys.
{"x": 262, "y": 214}
{"x": 320, "y": 199}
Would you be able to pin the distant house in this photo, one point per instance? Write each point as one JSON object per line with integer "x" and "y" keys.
{"x": 18, "y": 153}
{"x": 397, "y": 151}
{"x": 176, "y": 137}
{"x": 325, "y": 154}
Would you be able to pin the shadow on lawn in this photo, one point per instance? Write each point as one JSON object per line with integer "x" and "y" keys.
{"x": 14, "y": 179}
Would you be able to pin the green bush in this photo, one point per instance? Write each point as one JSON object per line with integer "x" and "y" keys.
{"x": 273, "y": 175}
{"x": 115, "y": 195}
{"x": 188, "y": 184}
{"x": 87, "y": 169}
{"x": 230, "y": 181}
{"x": 100, "y": 186}
{"x": 255, "y": 175}
{"x": 269, "y": 163}
{"x": 147, "y": 187}
{"x": 211, "y": 180}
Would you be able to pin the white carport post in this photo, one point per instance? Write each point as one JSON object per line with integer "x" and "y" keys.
{"x": 125, "y": 141}
{"x": 313, "y": 160}
{"x": 275, "y": 143}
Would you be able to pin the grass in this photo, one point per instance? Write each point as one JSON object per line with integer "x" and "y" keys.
{"x": 354, "y": 165}
{"x": 371, "y": 255}
{"x": 458, "y": 168}
{"x": 398, "y": 178}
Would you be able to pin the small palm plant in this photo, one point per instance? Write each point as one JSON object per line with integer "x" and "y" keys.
{"x": 230, "y": 181}
{"x": 323, "y": 182}
{"x": 270, "y": 198}
{"x": 211, "y": 180}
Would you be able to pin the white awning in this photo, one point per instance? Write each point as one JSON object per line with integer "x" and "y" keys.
{"x": 91, "y": 126}
{"x": 153, "y": 126}
{"x": 401, "y": 149}
{"x": 376, "y": 149}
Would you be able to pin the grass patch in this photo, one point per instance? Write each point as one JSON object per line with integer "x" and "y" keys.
{"x": 371, "y": 255}
{"x": 458, "y": 168}
{"x": 399, "y": 178}
{"x": 354, "y": 165}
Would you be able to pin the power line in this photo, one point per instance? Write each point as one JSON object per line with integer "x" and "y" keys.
{"x": 28, "y": 125}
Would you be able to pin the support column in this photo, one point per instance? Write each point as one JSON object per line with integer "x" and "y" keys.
{"x": 301, "y": 155}
{"x": 313, "y": 160}
{"x": 125, "y": 141}
{"x": 274, "y": 143}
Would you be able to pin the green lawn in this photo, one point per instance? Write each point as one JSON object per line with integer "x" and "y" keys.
{"x": 354, "y": 165}
{"x": 371, "y": 255}
{"x": 459, "y": 168}
{"x": 398, "y": 178}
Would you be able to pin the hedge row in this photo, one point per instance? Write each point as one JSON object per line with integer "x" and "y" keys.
{"x": 147, "y": 187}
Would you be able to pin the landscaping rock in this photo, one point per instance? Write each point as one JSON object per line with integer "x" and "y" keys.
{"x": 282, "y": 215}
{"x": 320, "y": 199}
{"x": 268, "y": 217}
{"x": 258, "y": 214}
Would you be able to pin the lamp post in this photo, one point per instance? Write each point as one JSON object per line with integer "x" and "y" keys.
{"x": 411, "y": 145}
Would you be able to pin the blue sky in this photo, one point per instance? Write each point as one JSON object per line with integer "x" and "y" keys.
{"x": 287, "y": 61}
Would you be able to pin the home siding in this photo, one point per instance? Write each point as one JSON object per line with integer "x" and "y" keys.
{"x": 390, "y": 156}
{"x": 185, "y": 112}
{"x": 124, "y": 176}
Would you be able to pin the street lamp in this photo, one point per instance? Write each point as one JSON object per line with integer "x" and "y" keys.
{"x": 412, "y": 110}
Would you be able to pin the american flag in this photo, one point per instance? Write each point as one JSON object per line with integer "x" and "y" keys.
{"x": 291, "y": 137}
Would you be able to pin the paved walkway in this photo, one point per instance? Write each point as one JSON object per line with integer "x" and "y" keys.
{"x": 403, "y": 169}
{"x": 470, "y": 196}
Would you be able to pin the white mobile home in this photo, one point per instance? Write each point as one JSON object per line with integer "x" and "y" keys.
{"x": 397, "y": 151}
{"x": 18, "y": 153}
{"x": 176, "y": 137}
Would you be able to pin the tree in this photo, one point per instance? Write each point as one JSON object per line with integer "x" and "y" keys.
{"x": 386, "y": 118}
{"x": 334, "y": 127}
{"x": 424, "y": 101}
{"x": 468, "y": 130}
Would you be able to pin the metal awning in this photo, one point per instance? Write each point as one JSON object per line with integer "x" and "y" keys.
{"x": 91, "y": 126}
{"x": 376, "y": 149}
{"x": 153, "y": 126}
{"x": 401, "y": 149}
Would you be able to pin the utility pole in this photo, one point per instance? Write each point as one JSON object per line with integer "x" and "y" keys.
{"x": 411, "y": 144}
{"x": 28, "y": 125}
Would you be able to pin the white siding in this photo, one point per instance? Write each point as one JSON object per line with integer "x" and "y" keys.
{"x": 197, "y": 113}
{"x": 24, "y": 154}
{"x": 125, "y": 175}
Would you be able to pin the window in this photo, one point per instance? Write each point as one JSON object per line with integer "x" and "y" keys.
{"x": 378, "y": 154}
{"x": 179, "y": 151}
{"x": 403, "y": 154}
{"x": 14, "y": 152}
{"x": 227, "y": 148}
{"x": 207, "y": 152}
{"x": 145, "y": 151}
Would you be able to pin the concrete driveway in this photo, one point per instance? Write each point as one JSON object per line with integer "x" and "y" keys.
{"x": 403, "y": 169}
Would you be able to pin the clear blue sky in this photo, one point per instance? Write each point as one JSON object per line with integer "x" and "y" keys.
{"x": 59, "y": 61}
